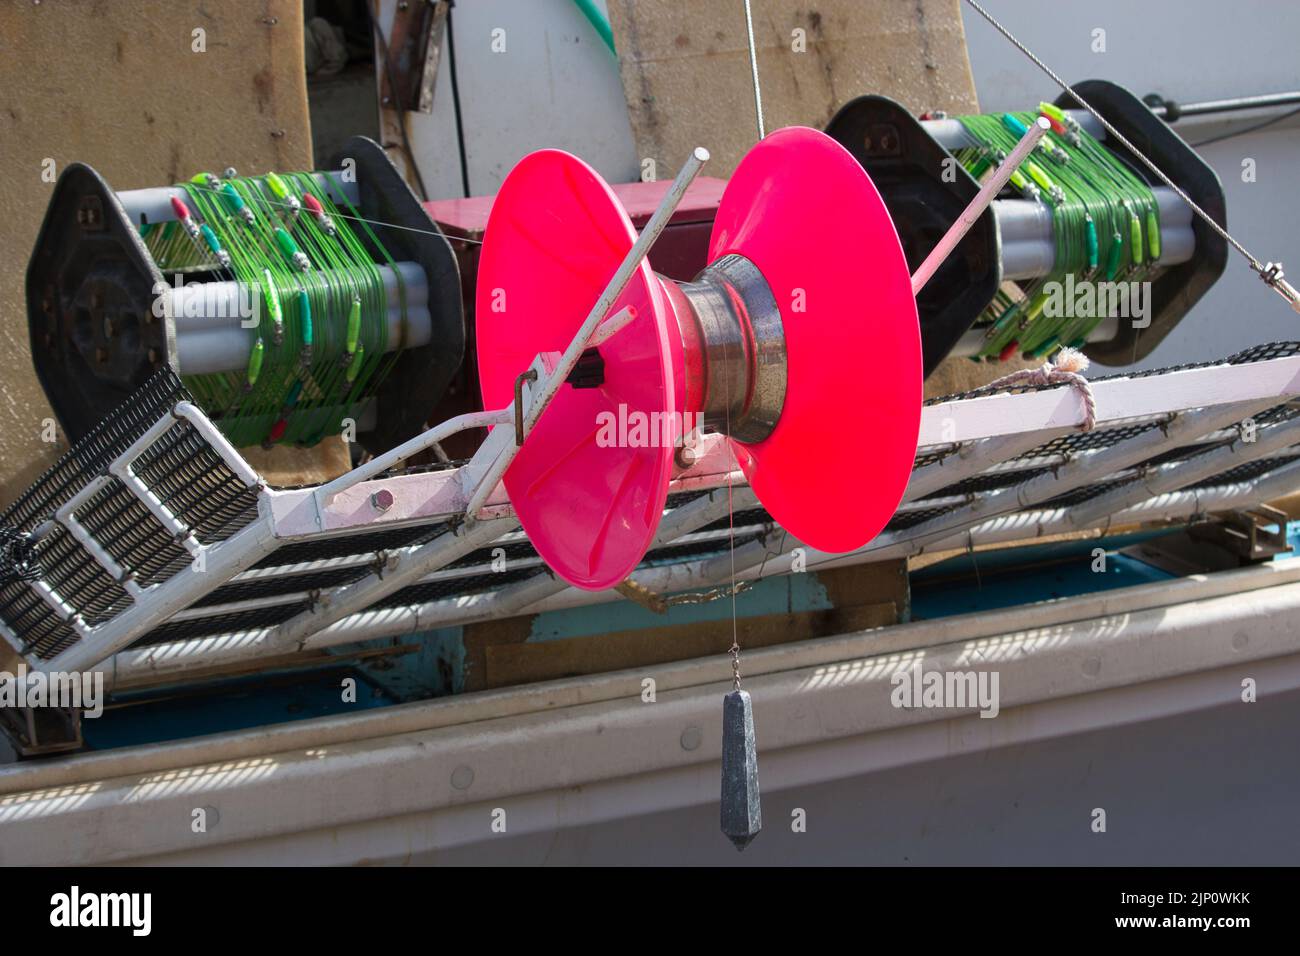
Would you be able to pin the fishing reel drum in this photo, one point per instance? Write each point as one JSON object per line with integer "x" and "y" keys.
{"x": 915, "y": 164}
{"x": 116, "y": 289}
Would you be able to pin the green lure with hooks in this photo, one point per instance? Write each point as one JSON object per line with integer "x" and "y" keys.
{"x": 354, "y": 366}
{"x": 1097, "y": 207}
{"x": 354, "y": 326}
{"x": 322, "y": 344}
{"x": 272, "y": 297}
{"x": 304, "y": 315}
{"x": 1114, "y": 256}
{"x": 255, "y": 358}
{"x": 290, "y": 249}
{"x": 278, "y": 188}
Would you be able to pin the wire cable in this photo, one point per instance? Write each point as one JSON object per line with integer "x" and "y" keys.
{"x": 1271, "y": 274}
{"x": 455, "y": 101}
{"x": 1249, "y": 129}
{"x": 753, "y": 66}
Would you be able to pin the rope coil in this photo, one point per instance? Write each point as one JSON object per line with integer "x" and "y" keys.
{"x": 1065, "y": 368}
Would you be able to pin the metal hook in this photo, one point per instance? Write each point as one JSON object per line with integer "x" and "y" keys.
{"x": 528, "y": 376}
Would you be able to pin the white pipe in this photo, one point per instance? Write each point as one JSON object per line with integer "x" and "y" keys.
{"x": 617, "y": 283}
{"x": 412, "y": 446}
{"x": 612, "y": 326}
{"x": 201, "y": 305}
{"x": 225, "y": 347}
{"x": 1027, "y": 219}
{"x": 1032, "y": 258}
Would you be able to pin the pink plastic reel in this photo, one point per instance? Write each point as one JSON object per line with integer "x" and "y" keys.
{"x": 799, "y": 339}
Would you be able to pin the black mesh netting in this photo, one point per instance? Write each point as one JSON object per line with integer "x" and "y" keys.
{"x": 196, "y": 485}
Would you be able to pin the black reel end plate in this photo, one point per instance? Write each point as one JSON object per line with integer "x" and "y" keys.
{"x": 421, "y": 375}
{"x": 1179, "y": 287}
{"x": 90, "y": 294}
{"x": 911, "y": 170}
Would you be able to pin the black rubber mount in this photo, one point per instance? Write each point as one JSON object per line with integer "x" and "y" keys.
{"x": 589, "y": 372}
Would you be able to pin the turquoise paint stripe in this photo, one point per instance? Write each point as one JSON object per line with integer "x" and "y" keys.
{"x": 1292, "y": 538}
{"x": 229, "y": 706}
{"x": 436, "y": 669}
{"x": 599, "y": 22}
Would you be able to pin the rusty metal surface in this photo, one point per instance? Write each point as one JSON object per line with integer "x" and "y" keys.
{"x": 415, "y": 48}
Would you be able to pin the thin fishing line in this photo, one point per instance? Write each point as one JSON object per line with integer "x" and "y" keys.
{"x": 323, "y": 291}
{"x": 362, "y": 219}
{"x": 753, "y": 66}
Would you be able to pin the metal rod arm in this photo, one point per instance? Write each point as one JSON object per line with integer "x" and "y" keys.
{"x": 971, "y": 214}
{"x": 412, "y": 446}
{"x": 550, "y": 384}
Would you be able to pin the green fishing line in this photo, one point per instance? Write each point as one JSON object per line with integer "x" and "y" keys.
{"x": 320, "y": 347}
{"x": 1105, "y": 228}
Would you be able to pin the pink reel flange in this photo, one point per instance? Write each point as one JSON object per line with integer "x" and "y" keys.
{"x": 799, "y": 340}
